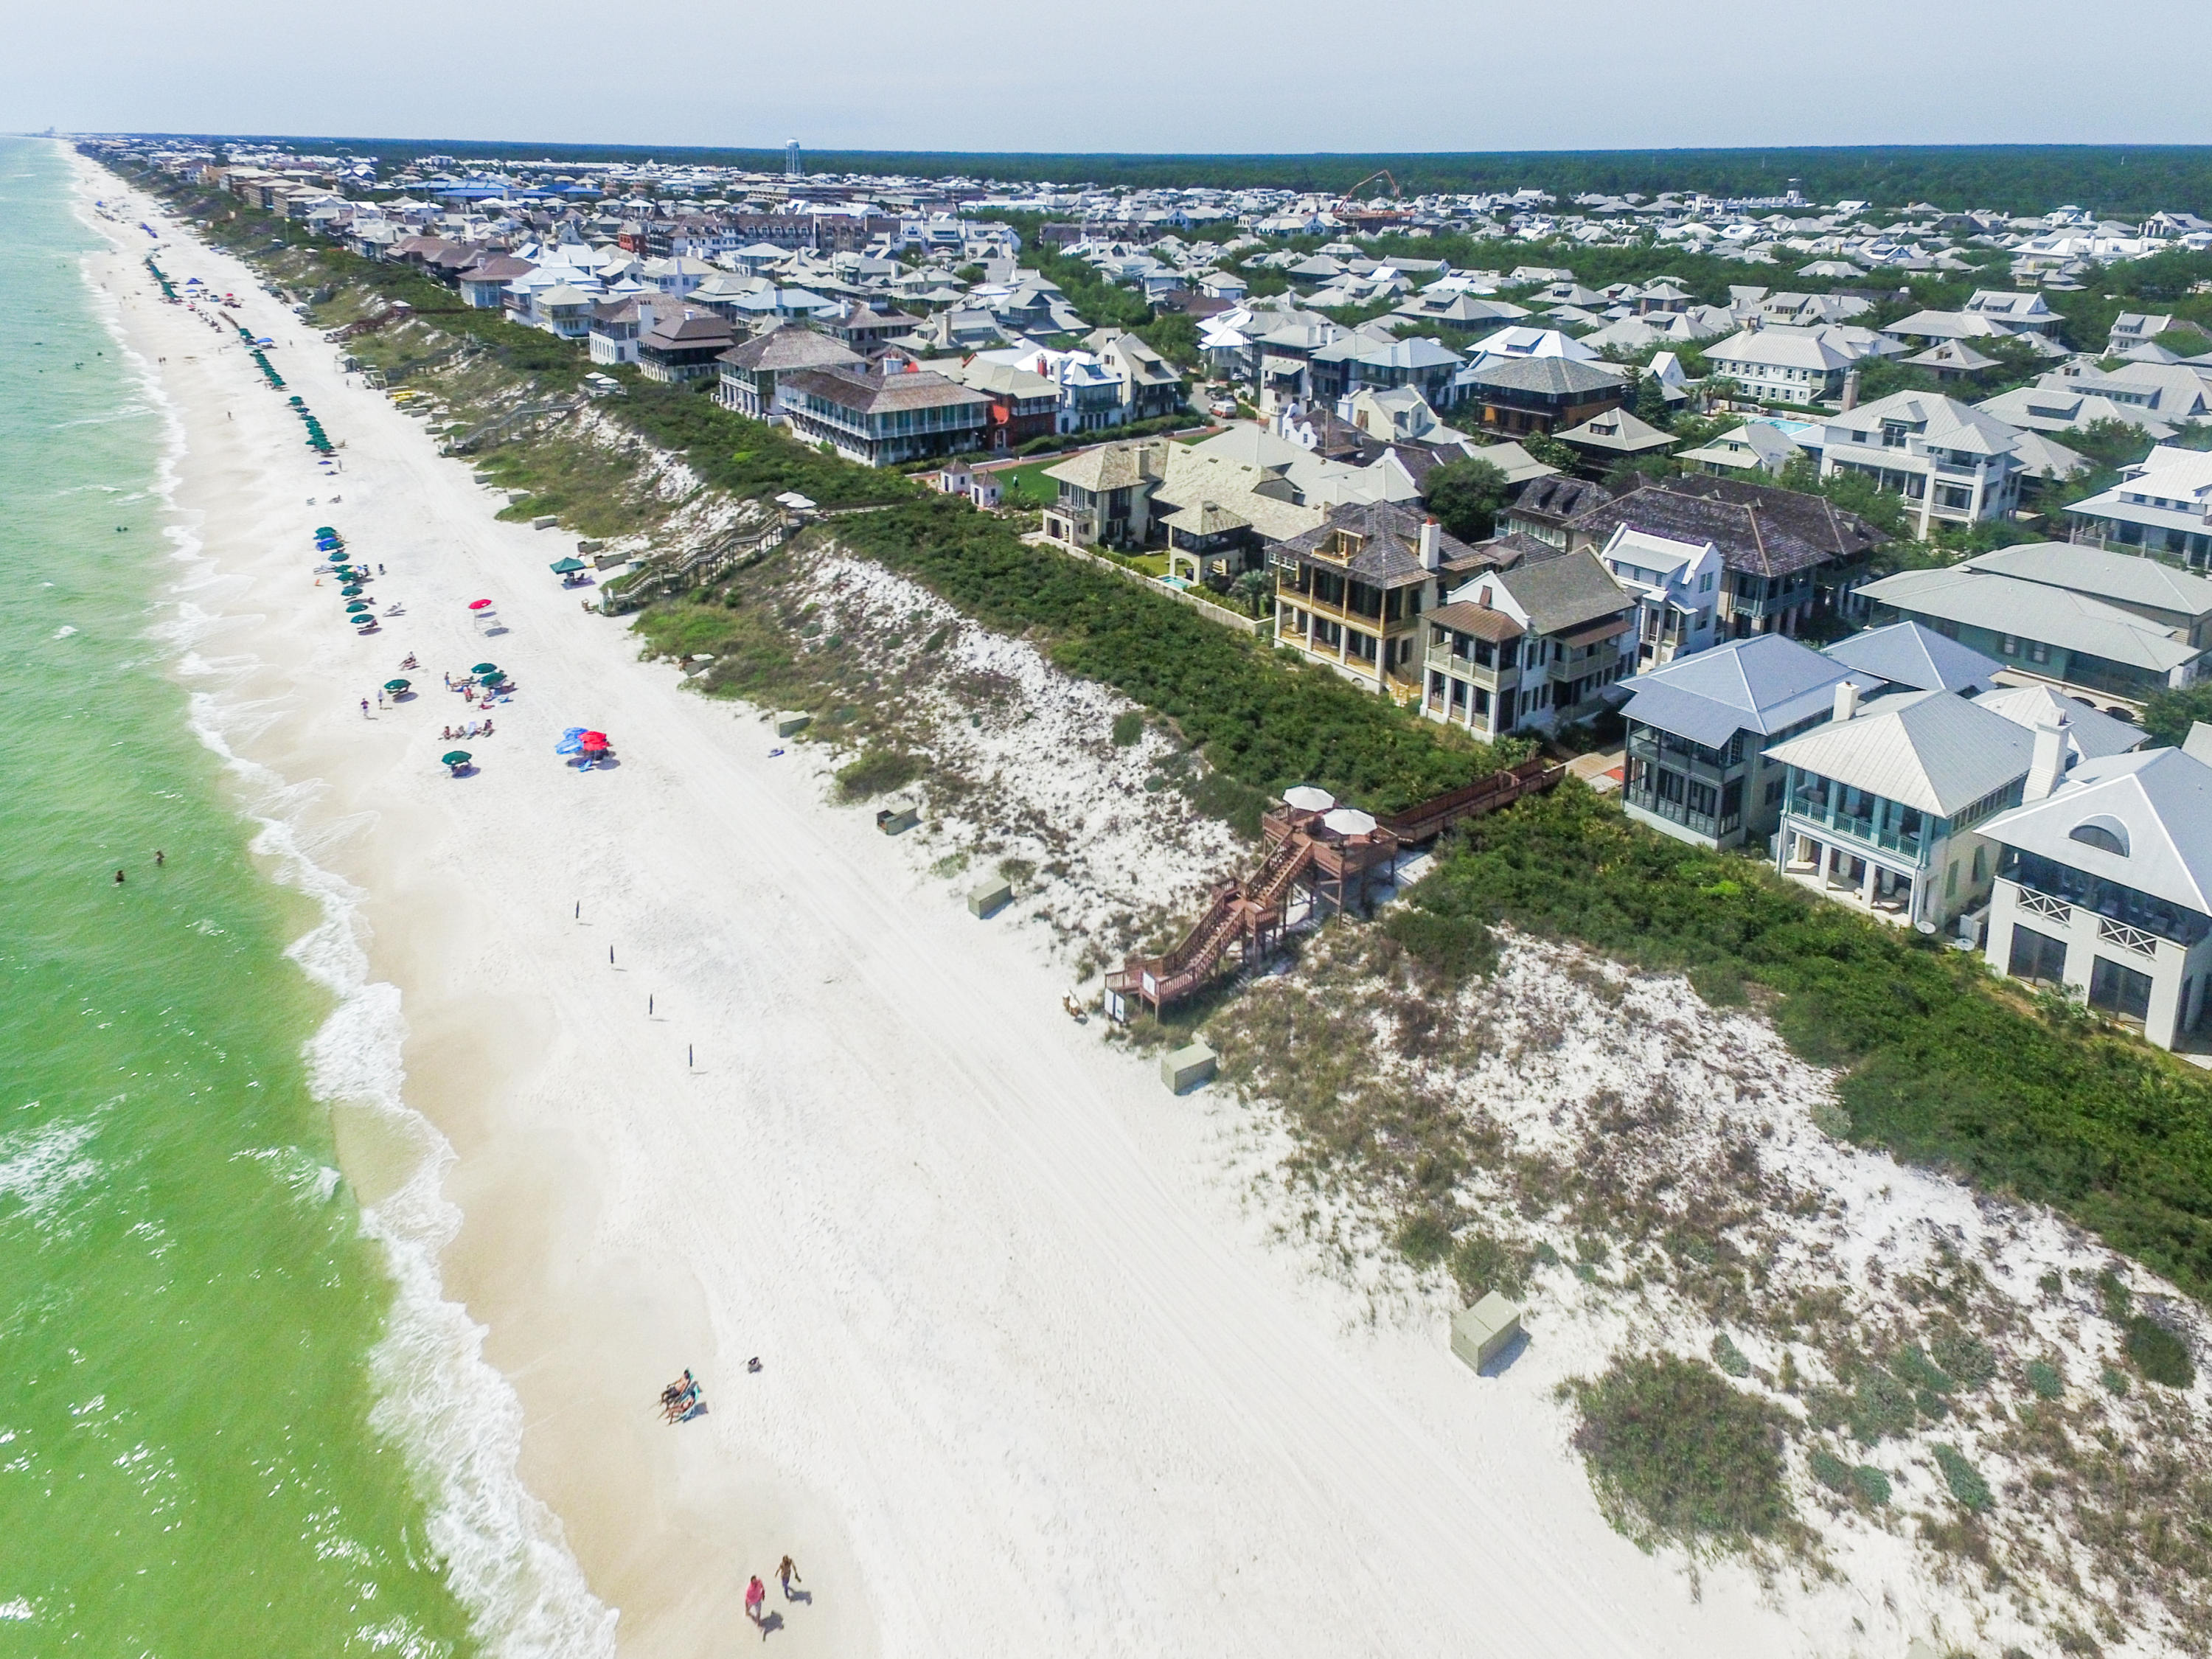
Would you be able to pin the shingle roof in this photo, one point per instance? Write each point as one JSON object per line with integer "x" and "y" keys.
{"x": 1557, "y": 376}
{"x": 1559, "y": 498}
{"x": 1757, "y": 527}
{"x": 1617, "y": 431}
{"x": 875, "y": 394}
{"x": 1465, "y": 616}
{"x": 1926, "y": 749}
{"x": 2161, "y": 796}
{"x": 792, "y": 346}
{"x": 1564, "y": 593}
{"x": 1905, "y": 653}
{"x": 1766, "y": 684}
{"x": 1390, "y": 554}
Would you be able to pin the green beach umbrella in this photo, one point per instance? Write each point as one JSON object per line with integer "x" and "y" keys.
{"x": 485, "y": 668}
{"x": 357, "y": 605}
{"x": 454, "y": 758}
{"x": 561, "y": 568}
{"x": 396, "y": 685}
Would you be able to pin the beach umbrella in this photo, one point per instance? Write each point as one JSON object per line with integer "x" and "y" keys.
{"x": 591, "y": 740}
{"x": 326, "y": 530}
{"x": 1307, "y": 798}
{"x": 566, "y": 746}
{"x": 479, "y": 604}
{"x": 1348, "y": 821}
{"x": 563, "y": 567}
{"x": 358, "y": 604}
{"x": 456, "y": 758}
{"x": 485, "y": 668}
{"x": 396, "y": 685}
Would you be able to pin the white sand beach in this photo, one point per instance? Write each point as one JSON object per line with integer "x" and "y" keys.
{"x": 1037, "y": 1375}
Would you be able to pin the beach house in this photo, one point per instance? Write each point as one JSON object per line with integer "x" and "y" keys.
{"x": 2104, "y": 884}
{"x": 1533, "y": 644}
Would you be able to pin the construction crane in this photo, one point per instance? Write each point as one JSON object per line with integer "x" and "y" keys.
{"x": 1396, "y": 195}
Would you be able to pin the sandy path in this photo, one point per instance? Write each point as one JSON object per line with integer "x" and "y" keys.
{"x": 1031, "y": 1380}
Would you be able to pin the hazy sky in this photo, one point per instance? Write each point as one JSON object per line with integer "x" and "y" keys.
{"x": 1136, "y": 75}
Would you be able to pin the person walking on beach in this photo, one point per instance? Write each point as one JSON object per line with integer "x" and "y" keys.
{"x": 755, "y": 1597}
{"x": 786, "y": 1571}
{"x": 364, "y": 708}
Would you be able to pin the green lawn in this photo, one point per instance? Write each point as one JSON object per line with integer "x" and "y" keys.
{"x": 1027, "y": 486}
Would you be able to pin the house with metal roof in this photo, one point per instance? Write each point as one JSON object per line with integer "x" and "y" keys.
{"x": 1755, "y": 447}
{"x": 1783, "y": 364}
{"x": 1907, "y": 657}
{"x": 1950, "y": 461}
{"x": 1699, "y": 729}
{"x": 1535, "y": 643}
{"x": 2163, "y": 504}
{"x": 1676, "y": 583}
{"x": 2037, "y": 631}
{"x": 2104, "y": 887}
{"x": 2174, "y": 599}
{"x": 1881, "y": 803}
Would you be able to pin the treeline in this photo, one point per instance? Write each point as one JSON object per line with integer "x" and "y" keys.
{"x": 2110, "y": 178}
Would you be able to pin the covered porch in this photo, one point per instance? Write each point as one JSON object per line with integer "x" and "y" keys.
{"x": 1852, "y": 874}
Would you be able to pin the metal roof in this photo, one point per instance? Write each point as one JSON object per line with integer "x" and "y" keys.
{"x": 2034, "y": 610}
{"x": 2161, "y": 796}
{"x": 1766, "y": 684}
{"x": 1926, "y": 749}
{"x": 1906, "y": 654}
{"x": 2090, "y": 735}
{"x": 2122, "y": 578}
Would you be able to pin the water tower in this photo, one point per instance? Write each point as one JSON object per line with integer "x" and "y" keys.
{"x": 792, "y": 167}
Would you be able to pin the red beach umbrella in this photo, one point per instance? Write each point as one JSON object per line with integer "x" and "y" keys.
{"x": 479, "y": 604}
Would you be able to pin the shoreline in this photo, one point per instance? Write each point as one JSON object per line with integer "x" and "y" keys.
{"x": 1010, "y": 1311}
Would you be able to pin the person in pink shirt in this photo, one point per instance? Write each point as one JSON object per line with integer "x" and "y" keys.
{"x": 756, "y": 1594}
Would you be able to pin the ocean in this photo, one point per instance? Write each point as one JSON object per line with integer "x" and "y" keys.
{"x": 235, "y": 1417}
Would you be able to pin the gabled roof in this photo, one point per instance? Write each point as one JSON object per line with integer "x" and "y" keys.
{"x": 1766, "y": 684}
{"x": 1926, "y": 749}
{"x": 1919, "y": 659}
{"x": 2122, "y": 578}
{"x": 2161, "y": 799}
{"x": 1113, "y": 466}
{"x": 1560, "y": 498}
{"x": 1480, "y": 621}
{"x": 1566, "y": 592}
{"x": 2031, "y": 610}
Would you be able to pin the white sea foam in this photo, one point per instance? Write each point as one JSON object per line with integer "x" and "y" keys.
{"x": 455, "y": 1416}
{"x": 39, "y": 1170}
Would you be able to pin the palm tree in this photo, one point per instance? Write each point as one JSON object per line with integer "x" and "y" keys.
{"x": 1252, "y": 588}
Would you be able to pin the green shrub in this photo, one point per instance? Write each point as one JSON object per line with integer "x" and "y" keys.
{"x": 1915, "y": 1369}
{"x": 1965, "y": 1356}
{"x": 2159, "y": 1353}
{"x": 1882, "y": 1405}
{"x": 878, "y": 772}
{"x": 1831, "y": 1471}
{"x": 2045, "y": 1379}
{"x": 1730, "y": 1358}
{"x": 2115, "y": 1382}
{"x": 1870, "y": 1483}
{"x": 1423, "y": 1238}
{"x": 1674, "y": 1453}
{"x": 1453, "y": 948}
{"x": 1965, "y": 1480}
{"x": 1481, "y": 1264}
{"x": 1831, "y": 1121}
{"x": 1128, "y": 726}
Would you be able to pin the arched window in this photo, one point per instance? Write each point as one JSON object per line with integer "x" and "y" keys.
{"x": 2106, "y": 835}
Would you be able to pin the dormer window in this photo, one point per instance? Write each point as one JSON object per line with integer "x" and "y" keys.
{"x": 2106, "y": 835}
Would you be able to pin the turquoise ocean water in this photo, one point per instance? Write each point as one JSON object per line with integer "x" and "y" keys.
{"x": 225, "y": 1427}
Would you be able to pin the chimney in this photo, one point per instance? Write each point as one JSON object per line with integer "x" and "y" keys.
{"x": 2048, "y": 763}
{"x": 1850, "y": 391}
{"x": 1847, "y": 701}
{"x": 1482, "y": 597}
{"x": 1433, "y": 551}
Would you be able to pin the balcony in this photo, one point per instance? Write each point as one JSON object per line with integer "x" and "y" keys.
{"x": 2043, "y": 904}
{"x": 1697, "y": 824}
{"x": 2129, "y": 938}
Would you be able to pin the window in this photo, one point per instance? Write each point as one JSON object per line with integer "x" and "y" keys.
{"x": 2038, "y": 651}
{"x": 2121, "y": 992}
{"x": 2008, "y": 645}
{"x": 1705, "y": 583}
{"x": 1951, "y": 881}
{"x": 1981, "y": 865}
{"x": 2105, "y": 835}
{"x": 2036, "y": 957}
